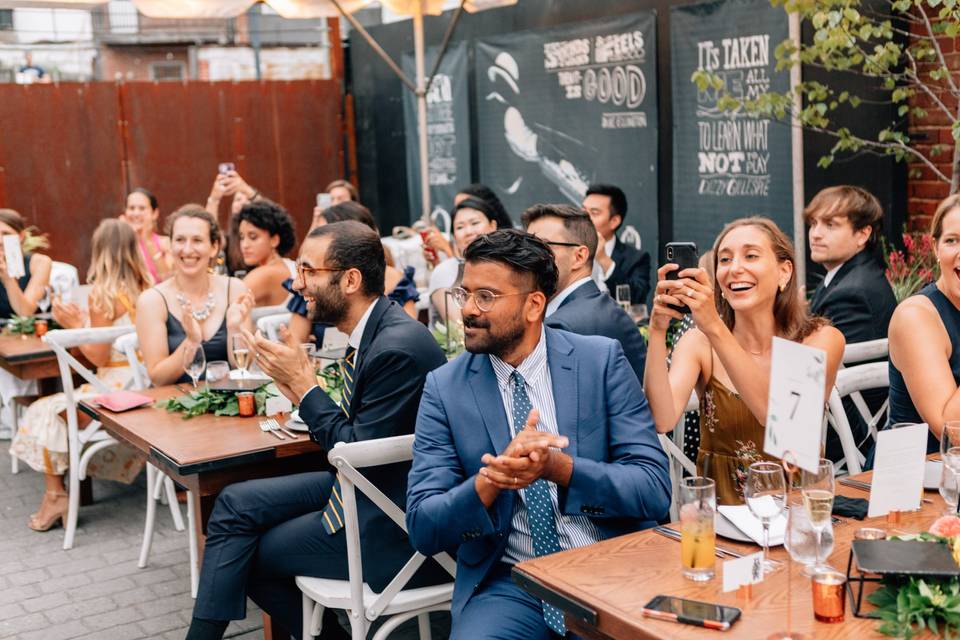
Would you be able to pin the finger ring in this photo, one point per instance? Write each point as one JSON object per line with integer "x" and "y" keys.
{"x": 657, "y": 299}
{"x": 689, "y": 293}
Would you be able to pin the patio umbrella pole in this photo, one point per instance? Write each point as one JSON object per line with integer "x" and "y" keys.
{"x": 421, "y": 93}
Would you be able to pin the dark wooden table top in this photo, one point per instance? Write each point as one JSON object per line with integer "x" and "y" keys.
{"x": 615, "y": 578}
{"x": 27, "y": 357}
{"x": 203, "y": 443}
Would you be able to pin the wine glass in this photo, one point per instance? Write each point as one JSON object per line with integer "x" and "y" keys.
{"x": 801, "y": 540}
{"x": 817, "y": 489}
{"x": 241, "y": 354}
{"x": 765, "y": 493}
{"x": 194, "y": 362}
{"x": 44, "y": 303}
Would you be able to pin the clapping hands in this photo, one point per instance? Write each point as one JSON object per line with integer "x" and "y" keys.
{"x": 528, "y": 457}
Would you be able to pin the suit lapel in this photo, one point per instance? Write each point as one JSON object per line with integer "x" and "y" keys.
{"x": 369, "y": 333}
{"x": 483, "y": 382}
{"x": 566, "y": 392}
{"x": 848, "y": 266}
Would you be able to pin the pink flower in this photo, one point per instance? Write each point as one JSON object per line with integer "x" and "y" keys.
{"x": 946, "y": 526}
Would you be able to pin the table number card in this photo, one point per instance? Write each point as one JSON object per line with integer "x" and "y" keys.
{"x": 14, "y": 256}
{"x": 795, "y": 403}
{"x": 898, "y": 468}
{"x": 741, "y": 571}
{"x": 278, "y": 404}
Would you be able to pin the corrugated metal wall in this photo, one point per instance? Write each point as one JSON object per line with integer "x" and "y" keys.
{"x": 69, "y": 153}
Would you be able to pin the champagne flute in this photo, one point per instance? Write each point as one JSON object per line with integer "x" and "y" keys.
{"x": 241, "y": 354}
{"x": 765, "y": 493}
{"x": 194, "y": 362}
{"x": 44, "y": 302}
{"x": 817, "y": 489}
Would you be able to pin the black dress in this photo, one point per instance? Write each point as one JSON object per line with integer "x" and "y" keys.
{"x": 6, "y": 309}
{"x": 214, "y": 349}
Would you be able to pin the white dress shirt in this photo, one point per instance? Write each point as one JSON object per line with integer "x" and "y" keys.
{"x": 608, "y": 248}
{"x": 829, "y": 277}
{"x": 558, "y": 299}
{"x": 574, "y": 531}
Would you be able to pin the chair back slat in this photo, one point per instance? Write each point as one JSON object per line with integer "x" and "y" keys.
{"x": 859, "y": 352}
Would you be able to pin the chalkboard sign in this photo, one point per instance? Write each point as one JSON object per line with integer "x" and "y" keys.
{"x": 558, "y": 109}
{"x": 448, "y": 129}
{"x": 727, "y": 165}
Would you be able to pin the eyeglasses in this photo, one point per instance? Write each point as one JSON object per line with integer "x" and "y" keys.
{"x": 310, "y": 271}
{"x": 562, "y": 244}
{"x": 483, "y": 298}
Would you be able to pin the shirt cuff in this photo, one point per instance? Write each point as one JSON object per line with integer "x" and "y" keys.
{"x": 609, "y": 272}
{"x": 309, "y": 391}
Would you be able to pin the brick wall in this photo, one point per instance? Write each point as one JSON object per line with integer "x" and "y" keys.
{"x": 925, "y": 188}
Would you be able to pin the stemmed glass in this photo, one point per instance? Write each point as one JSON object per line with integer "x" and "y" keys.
{"x": 241, "y": 354}
{"x": 950, "y": 457}
{"x": 623, "y": 296}
{"x": 194, "y": 362}
{"x": 818, "y": 489}
{"x": 765, "y": 493}
{"x": 44, "y": 302}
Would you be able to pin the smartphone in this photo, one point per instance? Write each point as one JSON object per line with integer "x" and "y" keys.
{"x": 685, "y": 255}
{"x": 324, "y": 200}
{"x": 225, "y": 167}
{"x": 698, "y": 614}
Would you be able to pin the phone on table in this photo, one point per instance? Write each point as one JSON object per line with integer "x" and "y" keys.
{"x": 694, "y": 612}
{"x": 225, "y": 167}
{"x": 324, "y": 200}
{"x": 685, "y": 256}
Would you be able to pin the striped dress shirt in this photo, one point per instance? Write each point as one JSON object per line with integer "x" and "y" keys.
{"x": 574, "y": 531}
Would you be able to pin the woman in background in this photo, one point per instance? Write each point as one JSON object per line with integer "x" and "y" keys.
{"x": 143, "y": 213}
{"x": 266, "y": 234}
{"x": 117, "y": 275}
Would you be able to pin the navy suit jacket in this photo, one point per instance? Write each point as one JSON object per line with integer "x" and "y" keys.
{"x": 859, "y": 301}
{"x": 590, "y": 312}
{"x": 620, "y": 476}
{"x": 395, "y": 354}
{"x": 633, "y": 268}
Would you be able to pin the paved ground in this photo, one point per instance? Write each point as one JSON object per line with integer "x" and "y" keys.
{"x": 95, "y": 590}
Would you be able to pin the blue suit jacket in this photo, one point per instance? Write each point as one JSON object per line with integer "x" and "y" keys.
{"x": 620, "y": 477}
{"x": 590, "y": 312}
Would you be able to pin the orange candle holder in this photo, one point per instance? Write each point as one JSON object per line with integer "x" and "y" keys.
{"x": 40, "y": 328}
{"x": 829, "y": 596}
{"x": 245, "y": 404}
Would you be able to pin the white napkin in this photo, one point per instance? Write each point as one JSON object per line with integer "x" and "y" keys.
{"x": 743, "y": 519}
{"x": 238, "y": 374}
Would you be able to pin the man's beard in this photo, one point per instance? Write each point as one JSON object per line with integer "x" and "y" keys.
{"x": 329, "y": 305}
{"x": 494, "y": 342}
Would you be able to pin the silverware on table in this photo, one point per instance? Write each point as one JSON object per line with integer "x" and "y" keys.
{"x": 265, "y": 427}
{"x": 673, "y": 534}
{"x": 275, "y": 426}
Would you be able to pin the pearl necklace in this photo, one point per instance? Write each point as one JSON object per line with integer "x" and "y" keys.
{"x": 202, "y": 313}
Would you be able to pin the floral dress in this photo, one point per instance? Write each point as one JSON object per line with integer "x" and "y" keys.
{"x": 731, "y": 439}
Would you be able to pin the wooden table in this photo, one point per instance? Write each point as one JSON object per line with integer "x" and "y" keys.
{"x": 613, "y": 580}
{"x": 28, "y": 358}
{"x": 208, "y": 452}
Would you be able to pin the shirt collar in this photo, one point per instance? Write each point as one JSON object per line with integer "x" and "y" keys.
{"x": 558, "y": 299}
{"x": 357, "y": 334}
{"x": 609, "y": 245}
{"x": 827, "y": 279}
{"x": 531, "y": 367}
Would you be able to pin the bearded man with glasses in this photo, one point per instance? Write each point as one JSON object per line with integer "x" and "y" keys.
{"x": 535, "y": 441}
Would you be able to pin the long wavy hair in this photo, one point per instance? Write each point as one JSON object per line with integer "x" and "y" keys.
{"x": 792, "y": 320}
{"x": 116, "y": 266}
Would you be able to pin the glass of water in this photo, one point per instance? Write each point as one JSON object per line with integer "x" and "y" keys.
{"x": 801, "y": 538}
{"x": 949, "y": 491}
{"x": 218, "y": 370}
{"x": 194, "y": 362}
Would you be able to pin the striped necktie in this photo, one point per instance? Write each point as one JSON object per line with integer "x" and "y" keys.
{"x": 333, "y": 512}
{"x": 540, "y": 514}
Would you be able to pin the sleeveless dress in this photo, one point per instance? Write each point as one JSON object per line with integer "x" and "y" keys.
{"x": 902, "y": 408}
{"x": 6, "y": 310}
{"x": 41, "y": 440}
{"x": 216, "y": 348}
{"x": 731, "y": 439}
{"x": 10, "y": 385}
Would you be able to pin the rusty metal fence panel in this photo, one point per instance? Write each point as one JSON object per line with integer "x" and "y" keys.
{"x": 69, "y": 153}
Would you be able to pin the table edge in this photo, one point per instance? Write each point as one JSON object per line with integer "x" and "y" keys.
{"x": 568, "y": 604}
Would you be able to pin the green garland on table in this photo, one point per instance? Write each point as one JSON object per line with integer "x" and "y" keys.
{"x": 219, "y": 403}
{"x": 24, "y": 325}
{"x": 911, "y": 608}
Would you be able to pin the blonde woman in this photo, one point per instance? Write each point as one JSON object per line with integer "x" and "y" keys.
{"x": 19, "y": 296}
{"x": 117, "y": 275}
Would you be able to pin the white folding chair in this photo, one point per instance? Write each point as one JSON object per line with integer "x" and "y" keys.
{"x": 859, "y": 352}
{"x": 672, "y": 444}
{"x": 630, "y": 235}
{"x": 270, "y": 325}
{"x": 353, "y": 595}
{"x": 159, "y": 485}
{"x": 853, "y": 380}
{"x": 260, "y": 312}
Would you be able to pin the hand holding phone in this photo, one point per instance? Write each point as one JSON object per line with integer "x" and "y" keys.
{"x": 685, "y": 256}
{"x": 225, "y": 167}
{"x": 324, "y": 201}
{"x": 693, "y": 612}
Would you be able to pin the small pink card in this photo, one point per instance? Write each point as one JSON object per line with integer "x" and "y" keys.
{"x": 122, "y": 400}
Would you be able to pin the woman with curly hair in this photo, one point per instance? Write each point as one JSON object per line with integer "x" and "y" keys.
{"x": 266, "y": 234}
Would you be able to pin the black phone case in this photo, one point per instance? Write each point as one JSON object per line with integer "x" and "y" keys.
{"x": 686, "y": 257}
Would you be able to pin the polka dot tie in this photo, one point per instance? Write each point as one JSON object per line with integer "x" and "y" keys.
{"x": 543, "y": 526}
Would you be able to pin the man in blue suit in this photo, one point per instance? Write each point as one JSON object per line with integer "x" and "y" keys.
{"x": 579, "y": 305}
{"x": 535, "y": 441}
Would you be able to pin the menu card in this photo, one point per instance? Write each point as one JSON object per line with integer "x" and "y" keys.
{"x": 898, "y": 469}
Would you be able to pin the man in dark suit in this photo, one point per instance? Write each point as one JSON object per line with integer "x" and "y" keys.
{"x": 618, "y": 262}
{"x": 579, "y": 306}
{"x": 855, "y": 295}
{"x": 535, "y": 441}
{"x": 263, "y": 533}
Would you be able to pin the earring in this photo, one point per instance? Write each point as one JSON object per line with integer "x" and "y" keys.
{"x": 782, "y": 287}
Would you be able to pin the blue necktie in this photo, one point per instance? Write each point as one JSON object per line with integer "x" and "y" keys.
{"x": 333, "y": 512}
{"x": 540, "y": 516}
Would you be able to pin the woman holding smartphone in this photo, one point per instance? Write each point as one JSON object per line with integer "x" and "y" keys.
{"x": 726, "y": 358}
